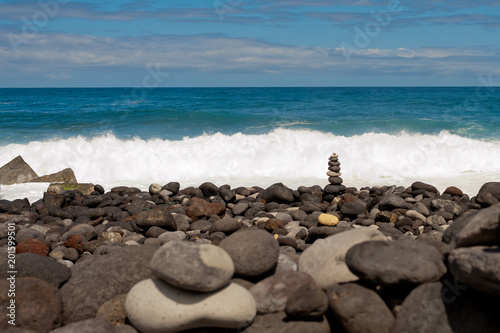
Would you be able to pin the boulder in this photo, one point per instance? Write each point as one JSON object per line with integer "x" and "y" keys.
{"x": 199, "y": 208}
{"x": 65, "y": 176}
{"x": 489, "y": 194}
{"x": 16, "y": 171}
{"x": 278, "y": 193}
{"x": 279, "y": 323}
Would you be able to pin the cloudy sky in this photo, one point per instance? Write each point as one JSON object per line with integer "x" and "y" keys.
{"x": 108, "y": 43}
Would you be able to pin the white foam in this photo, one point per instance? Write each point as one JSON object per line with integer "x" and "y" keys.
{"x": 294, "y": 157}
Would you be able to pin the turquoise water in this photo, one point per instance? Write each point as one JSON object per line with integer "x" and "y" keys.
{"x": 256, "y": 136}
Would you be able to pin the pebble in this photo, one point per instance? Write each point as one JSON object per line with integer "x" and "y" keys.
{"x": 328, "y": 219}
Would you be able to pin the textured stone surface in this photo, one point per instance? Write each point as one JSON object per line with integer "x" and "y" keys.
{"x": 359, "y": 309}
{"x": 477, "y": 267}
{"x": 113, "y": 310}
{"x": 307, "y": 302}
{"x": 16, "y": 171}
{"x": 489, "y": 194}
{"x": 157, "y": 218}
{"x": 93, "y": 325}
{"x": 279, "y": 323}
{"x": 193, "y": 266}
{"x": 155, "y": 306}
{"x": 278, "y": 193}
{"x": 254, "y": 252}
{"x": 396, "y": 262}
{"x": 34, "y": 246}
{"x": 64, "y": 176}
{"x": 391, "y": 201}
{"x": 325, "y": 259}
{"x": 97, "y": 281}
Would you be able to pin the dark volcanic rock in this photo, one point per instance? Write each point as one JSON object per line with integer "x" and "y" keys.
{"x": 172, "y": 187}
{"x": 157, "y": 218}
{"x": 254, "y": 252}
{"x": 33, "y": 265}
{"x": 37, "y": 304}
{"x": 278, "y": 193}
{"x": 489, "y": 194}
{"x": 359, "y": 309}
{"x": 94, "y": 282}
{"x": 353, "y": 208}
{"x": 410, "y": 262}
{"x": 278, "y": 323}
{"x": 226, "y": 194}
{"x": 199, "y": 208}
{"x": 226, "y": 225}
{"x": 16, "y": 171}
{"x": 391, "y": 201}
{"x": 423, "y": 186}
{"x": 307, "y": 302}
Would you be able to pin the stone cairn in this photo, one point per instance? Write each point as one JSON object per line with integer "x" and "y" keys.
{"x": 334, "y": 170}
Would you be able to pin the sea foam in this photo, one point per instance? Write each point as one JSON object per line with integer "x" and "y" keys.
{"x": 294, "y": 157}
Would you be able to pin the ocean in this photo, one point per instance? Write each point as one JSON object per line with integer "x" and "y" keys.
{"x": 253, "y": 136}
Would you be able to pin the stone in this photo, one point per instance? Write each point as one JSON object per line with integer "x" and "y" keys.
{"x": 34, "y": 246}
{"x": 423, "y": 186}
{"x": 335, "y": 180}
{"x": 28, "y": 233}
{"x": 199, "y": 208}
{"x": 65, "y": 176}
{"x": 37, "y": 304}
{"x": 489, "y": 194}
{"x": 97, "y": 281}
{"x": 359, "y": 309}
{"x": 172, "y": 187}
{"x": 334, "y": 189}
{"x": 16, "y": 171}
{"x": 333, "y": 174}
{"x": 410, "y": 262}
{"x": 240, "y": 208}
{"x": 94, "y": 325}
{"x": 254, "y": 252}
{"x": 273, "y": 224}
{"x": 278, "y": 322}
{"x": 155, "y": 189}
{"x": 113, "y": 310}
{"x": 226, "y": 194}
{"x": 155, "y": 306}
{"x": 172, "y": 236}
{"x": 391, "y": 201}
{"x": 271, "y": 294}
{"x": 307, "y": 302}
{"x": 353, "y": 208}
{"x": 435, "y": 220}
{"x": 328, "y": 220}
{"x": 325, "y": 259}
{"x": 477, "y": 267}
{"x": 278, "y": 193}
{"x": 285, "y": 263}
{"x": 209, "y": 189}
{"x": 156, "y": 218}
{"x": 416, "y": 215}
{"x": 454, "y": 191}
{"x": 193, "y": 266}
{"x": 201, "y": 225}
{"x": 227, "y": 225}
{"x": 33, "y": 265}
{"x": 58, "y": 188}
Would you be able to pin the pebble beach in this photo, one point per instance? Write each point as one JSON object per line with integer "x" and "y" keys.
{"x": 250, "y": 259}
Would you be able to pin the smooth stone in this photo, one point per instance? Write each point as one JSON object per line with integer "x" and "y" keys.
{"x": 415, "y": 215}
{"x": 391, "y": 201}
{"x": 192, "y": 266}
{"x": 335, "y": 180}
{"x": 334, "y": 168}
{"x": 477, "y": 267}
{"x": 226, "y": 225}
{"x": 272, "y": 293}
{"x": 94, "y": 325}
{"x": 423, "y": 186}
{"x": 240, "y": 208}
{"x": 435, "y": 220}
{"x": 307, "y": 302}
{"x": 28, "y": 233}
{"x": 353, "y": 208}
{"x": 328, "y": 220}
{"x": 199, "y": 208}
{"x": 170, "y": 236}
{"x": 410, "y": 262}
{"x": 209, "y": 189}
{"x": 324, "y": 260}
{"x": 154, "y": 306}
{"x": 454, "y": 191}
{"x": 285, "y": 263}
{"x": 279, "y": 323}
{"x": 359, "y": 309}
{"x": 154, "y": 189}
{"x": 156, "y": 218}
{"x": 333, "y": 174}
{"x": 254, "y": 252}
{"x": 278, "y": 193}
{"x": 489, "y": 194}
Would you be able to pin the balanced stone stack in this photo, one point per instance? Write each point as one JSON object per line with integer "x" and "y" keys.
{"x": 334, "y": 170}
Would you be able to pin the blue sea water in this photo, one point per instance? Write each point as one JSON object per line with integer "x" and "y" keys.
{"x": 256, "y": 136}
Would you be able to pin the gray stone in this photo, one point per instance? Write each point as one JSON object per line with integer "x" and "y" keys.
{"x": 285, "y": 263}
{"x": 477, "y": 267}
{"x": 155, "y": 306}
{"x": 489, "y": 194}
{"x": 34, "y": 265}
{"x": 325, "y": 259}
{"x": 28, "y": 233}
{"x": 272, "y": 293}
{"x": 279, "y": 323}
{"x": 254, "y": 252}
{"x": 278, "y": 193}
{"x": 192, "y": 266}
{"x": 435, "y": 220}
{"x": 64, "y": 176}
{"x": 415, "y": 215}
{"x": 16, "y": 171}
{"x": 226, "y": 225}
{"x": 240, "y": 208}
{"x": 391, "y": 201}
{"x": 410, "y": 262}
{"x": 209, "y": 189}
{"x": 170, "y": 236}
{"x": 307, "y": 302}
{"x": 353, "y": 208}
{"x": 359, "y": 309}
{"x": 181, "y": 222}
{"x": 423, "y": 186}
{"x": 92, "y": 325}
{"x": 156, "y": 217}
{"x": 96, "y": 281}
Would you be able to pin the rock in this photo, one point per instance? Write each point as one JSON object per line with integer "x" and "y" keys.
{"x": 328, "y": 220}
{"x": 172, "y": 236}
{"x": 307, "y": 302}
{"x": 58, "y": 188}
{"x": 113, "y": 310}
{"x": 325, "y": 259}
{"x": 97, "y": 281}
{"x": 437, "y": 308}
{"x": 334, "y": 189}
{"x": 193, "y": 266}
{"x": 435, "y": 220}
{"x": 65, "y": 176}
{"x": 254, "y": 252}
{"x": 199, "y": 208}
{"x": 279, "y": 323}
{"x": 454, "y": 191}
{"x": 16, "y": 171}
{"x": 391, "y": 201}
{"x": 155, "y": 306}
{"x": 209, "y": 189}
{"x": 278, "y": 193}
{"x": 423, "y": 186}
{"x": 359, "y": 309}
{"x": 240, "y": 208}
{"x": 226, "y": 225}
{"x": 32, "y": 246}
{"x": 271, "y": 294}
{"x": 410, "y": 262}
{"x": 477, "y": 267}
{"x": 172, "y": 187}
{"x": 37, "y": 304}
{"x": 489, "y": 194}
{"x": 416, "y": 215}
{"x": 94, "y": 325}
{"x": 285, "y": 263}
{"x": 335, "y": 180}
{"x": 33, "y": 265}
{"x": 156, "y": 218}
{"x": 226, "y": 194}
{"x": 28, "y": 233}
{"x": 353, "y": 208}
{"x": 154, "y": 189}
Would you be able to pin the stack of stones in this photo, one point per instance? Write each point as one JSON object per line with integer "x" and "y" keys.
{"x": 334, "y": 170}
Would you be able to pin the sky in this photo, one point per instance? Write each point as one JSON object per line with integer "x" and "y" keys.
{"x": 226, "y": 43}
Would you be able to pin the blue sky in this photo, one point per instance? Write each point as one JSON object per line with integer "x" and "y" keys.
{"x": 90, "y": 43}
